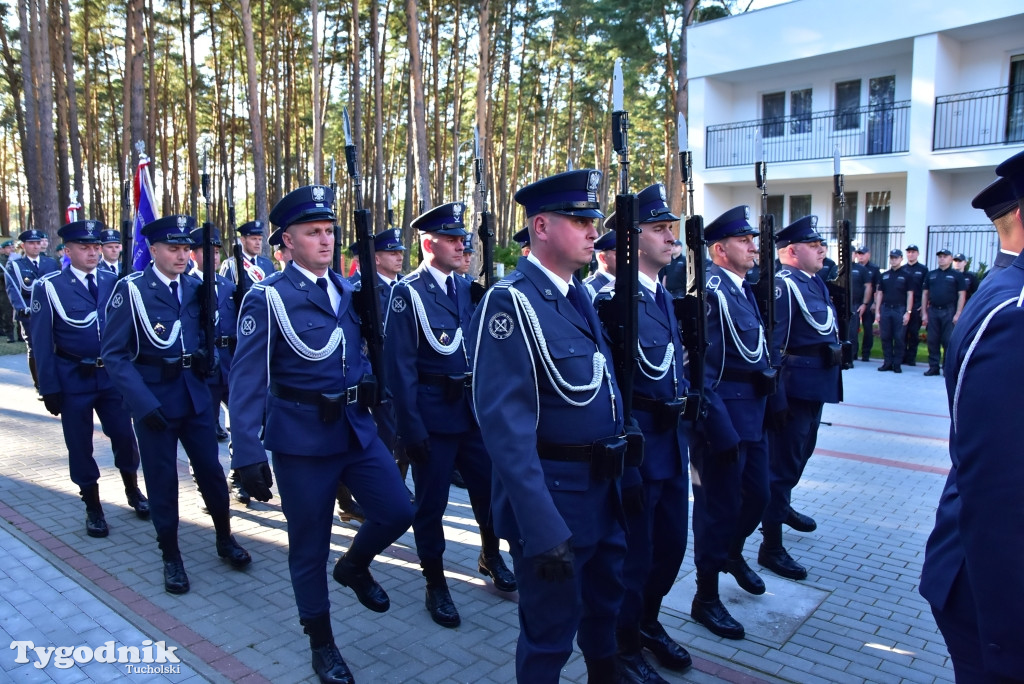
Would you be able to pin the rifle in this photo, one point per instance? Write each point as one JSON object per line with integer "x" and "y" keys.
{"x": 691, "y": 309}
{"x": 839, "y": 289}
{"x": 241, "y": 284}
{"x": 208, "y": 303}
{"x": 126, "y": 219}
{"x": 484, "y": 224}
{"x": 764, "y": 290}
{"x": 619, "y": 314}
{"x": 336, "y": 257}
{"x": 372, "y": 388}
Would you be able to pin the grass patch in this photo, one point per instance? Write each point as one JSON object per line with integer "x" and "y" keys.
{"x": 8, "y": 348}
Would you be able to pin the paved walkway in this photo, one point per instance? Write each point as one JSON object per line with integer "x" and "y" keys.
{"x": 872, "y": 486}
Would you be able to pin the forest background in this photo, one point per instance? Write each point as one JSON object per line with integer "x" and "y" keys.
{"x": 255, "y": 90}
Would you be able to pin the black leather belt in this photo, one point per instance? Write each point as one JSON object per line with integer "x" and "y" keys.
{"x": 566, "y": 453}
{"x": 765, "y": 380}
{"x": 440, "y": 380}
{"x": 350, "y": 394}
{"x": 607, "y": 457}
{"x": 183, "y": 361}
{"x": 815, "y": 350}
{"x": 96, "y": 362}
{"x": 942, "y": 307}
{"x": 224, "y": 341}
{"x": 894, "y": 306}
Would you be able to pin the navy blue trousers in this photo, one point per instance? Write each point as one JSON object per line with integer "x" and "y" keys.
{"x": 585, "y": 607}
{"x": 790, "y": 449}
{"x": 728, "y": 500}
{"x": 308, "y": 486}
{"x": 891, "y": 332}
{"x": 958, "y": 623}
{"x": 159, "y": 451}
{"x": 433, "y": 482}
{"x": 76, "y": 421}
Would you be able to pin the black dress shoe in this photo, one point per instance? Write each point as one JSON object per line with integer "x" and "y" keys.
{"x": 457, "y": 480}
{"x": 713, "y": 615}
{"x": 229, "y": 550}
{"x": 175, "y": 579}
{"x": 494, "y": 567}
{"x": 239, "y": 493}
{"x": 932, "y": 372}
{"x": 634, "y": 669}
{"x": 800, "y": 522}
{"x": 442, "y": 608}
{"x": 330, "y": 667}
{"x": 748, "y": 580}
{"x": 884, "y": 367}
{"x": 668, "y": 652}
{"x": 139, "y": 503}
{"x": 222, "y": 434}
{"x": 910, "y": 363}
{"x": 360, "y": 581}
{"x": 351, "y": 510}
{"x": 781, "y": 563}
{"x": 864, "y": 359}
{"x": 897, "y": 369}
{"x": 95, "y": 523}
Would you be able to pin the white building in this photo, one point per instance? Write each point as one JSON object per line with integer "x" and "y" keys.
{"x": 923, "y": 98}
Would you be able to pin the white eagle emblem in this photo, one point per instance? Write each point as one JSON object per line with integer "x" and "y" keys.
{"x": 182, "y": 221}
{"x": 661, "y": 191}
{"x": 814, "y": 222}
{"x": 318, "y": 193}
{"x": 500, "y": 326}
{"x": 746, "y": 213}
{"x": 90, "y": 226}
{"x": 457, "y": 212}
{"x": 593, "y": 181}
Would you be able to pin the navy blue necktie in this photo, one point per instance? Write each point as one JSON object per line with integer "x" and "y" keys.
{"x": 91, "y": 284}
{"x": 174, "y": 293}
{"x": 577, "y": 303}
{"x": 322, "y": 284}
{"x": 452, "y": 294}
{"x": 659, "y": 297}
{"x": 749, "y": 291}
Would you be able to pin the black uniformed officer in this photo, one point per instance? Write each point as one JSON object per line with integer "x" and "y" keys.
{"x": 863, "y": 255}
{"x": 68, "y": 319}
{"x": 970, "y": 277}
{"x": 943, "y": 300}
{"x": 1001, "y": 208}
{"x": 152, "y": 349}
{"x": 20, "y": 275}
{"x": 894, "y": 300}
{"x": 673, "y": 276}
{"x": 861, "y": 300}
{"x": 913, "y": 332}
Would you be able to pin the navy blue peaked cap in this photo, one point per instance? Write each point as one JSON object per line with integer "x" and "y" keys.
{"x": 522, "y": 237}
{"x": 654, "y": 205}
{"x": 275, "y": 239}
{"x": 108, "y": 235}
{"x": 32, "y": 235}
{"x": 802, "y": 230}
{"x": 82, "y": 231}
{"x": 175, "y": 229}
{"x": 467, "y": 244}
{"x": 197, "y": 237}
{"x": 573, "y": 193}
{"x": 303, "y": 205}
{"x": 1013, "y": 171}
{"x": 996, "y": 199}
{"x": 606, "y": 241}
{"x": 251, "y": 228}
{"x": 389, "y": 240}
{"x": 444, "y": 219}
{"x": 730, "y": 224}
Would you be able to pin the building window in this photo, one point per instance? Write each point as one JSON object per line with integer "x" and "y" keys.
{"x": 775, "y": 204}
{"x": 799, "y": 206}
{"x": 800, "y": 111}
{"x": 773, "y": 112}
{"x": 1015, "y": 101}
{"x": 848, "y": 105}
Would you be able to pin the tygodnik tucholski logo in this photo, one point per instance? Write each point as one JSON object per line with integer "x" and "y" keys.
{"x": 150, "y": 658}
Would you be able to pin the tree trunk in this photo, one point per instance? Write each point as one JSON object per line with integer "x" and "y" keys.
{"x": 417, "y": 109}
{"x": 318, "y": 155}
{"x": 259, "y": 157}
{"x": 379, "y": 188}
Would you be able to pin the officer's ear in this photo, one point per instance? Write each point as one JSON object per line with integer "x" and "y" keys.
{"x": 427, "y": 243}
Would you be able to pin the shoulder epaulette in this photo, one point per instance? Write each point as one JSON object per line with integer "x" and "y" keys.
{"x": 783, "y": 273}
{"x": 49, "y": 276}
{"x": 713, "y": 282}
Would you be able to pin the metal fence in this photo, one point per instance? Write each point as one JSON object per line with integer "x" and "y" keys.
{"x": 978, "y": 242}
{"x": 982, "y": 117}
{"x": 815, "y": 135}
{"x": 879, "y": 239}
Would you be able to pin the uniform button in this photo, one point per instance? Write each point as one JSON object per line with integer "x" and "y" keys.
{"x": 557, "y": 483}
{"x": 309, "y": 324}
{"x": 572, "y": 350}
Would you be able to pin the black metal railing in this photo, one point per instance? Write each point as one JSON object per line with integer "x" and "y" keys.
{"x": 879, "y": 239}
{"x": 815, "y": 135}
{"x": 978, "y": 242}
{"x": 982, "y": 117}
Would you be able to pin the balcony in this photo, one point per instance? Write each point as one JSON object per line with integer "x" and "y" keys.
{"x": 982, "y": 117}
{"x": 803, "y": 137}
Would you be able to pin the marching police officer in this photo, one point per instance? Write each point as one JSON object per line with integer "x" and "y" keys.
{"x": 68, "y": 319}
{"x": 1001, "y": 208}
{"x": 299, "y": 359}
{"x": 863, "y": 256}
{"x": 806, "y": 348}
{"x": 153, "y": 351}
{"x": 894, "y": 302}
{"x": 282, "y": 255}
{"x": 110, "y": 245}
{"x": 913, "y": 333}
{"x": 972, "y": 563}
{"x": 20, "y": 275}
{"x": 553, "y": 427}
{"x": 943, "y": 301}
{"x": 656, "y": 520}
{"x": 729, "y": 455}
{"x": 428, "y": 368}
{"x": 255, "y": 265}
{"x": 604, "y": 248}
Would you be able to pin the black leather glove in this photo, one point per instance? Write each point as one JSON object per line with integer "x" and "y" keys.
{"x": 155, "y": 420}
{"x": 205, "y": 367}
{"x": 257, "y": 480}
{"x": 53, "y": 402}
{"x": 633, "y": 499}
{"x": 418, "y": 453}
{"x": 555, "y": 565}
{"x": 730, "y": 455}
